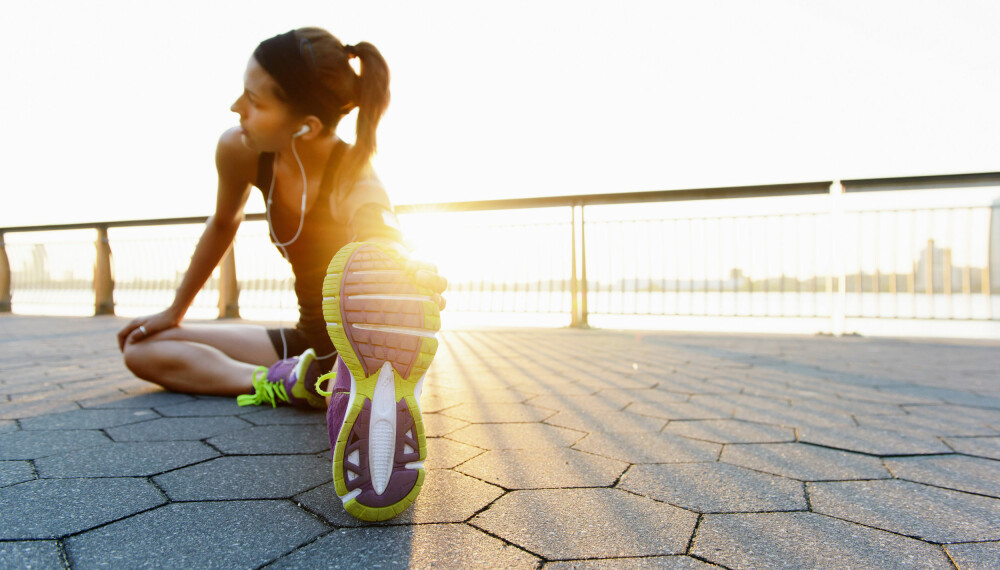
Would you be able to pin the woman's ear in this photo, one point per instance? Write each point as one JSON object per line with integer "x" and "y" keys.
{"x": 315, "y": 128}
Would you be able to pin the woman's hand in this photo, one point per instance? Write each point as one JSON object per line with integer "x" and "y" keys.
{"x": 141, "y": 328}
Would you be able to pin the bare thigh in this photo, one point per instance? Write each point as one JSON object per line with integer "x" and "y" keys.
{"x": 244, "y": 343}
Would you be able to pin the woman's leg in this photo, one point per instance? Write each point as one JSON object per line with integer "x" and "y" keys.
{"x": 202, "y": 358}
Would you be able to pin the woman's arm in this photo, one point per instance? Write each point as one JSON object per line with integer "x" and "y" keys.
{"x": 236, "y": 166}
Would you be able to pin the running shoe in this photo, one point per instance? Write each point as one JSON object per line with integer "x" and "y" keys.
{"x": 383, "y": 326}
{"x": 288, "y": 381}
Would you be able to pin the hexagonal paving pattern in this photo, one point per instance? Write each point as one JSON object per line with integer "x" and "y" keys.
{"x": 715, "y": 488}
{"x": 988, "y": 447}
{"x": 418, "y": 546}
{"x": 730, "y": 431}
{"x": 515, "y": 436}
{"x": 273, "y": 439}
{"x": 228, "y": 534}
{"x": 649, "y": 448}
{"x": 807, "y": 540}
{"x": 445, "y": 497}
{"x": 969, "y": 474}
{"x": 35, "y": 444}
{"x": 177, "y": 429}
{"x": 930, "y": 513}
{"x": 805, "y": 462}
{"x": 246, "y": 477}
{"x": 872, "y": 441}
{"x": 563, "y": 524}
{"x": 52, "y": 508}
{"x": 544, "y": 468}
{"x": 125, "y": 459}
{"x": 572, "y": 445}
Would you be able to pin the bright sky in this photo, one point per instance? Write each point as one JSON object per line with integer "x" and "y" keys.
{"x": 111, "y": 109}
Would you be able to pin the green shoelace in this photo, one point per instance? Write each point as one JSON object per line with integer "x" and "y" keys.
{"x": 265, "y": 391}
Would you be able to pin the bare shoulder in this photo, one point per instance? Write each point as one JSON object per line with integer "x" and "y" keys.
{"x": 235, "y": 162}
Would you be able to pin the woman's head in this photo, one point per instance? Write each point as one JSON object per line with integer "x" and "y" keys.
{"x": 312, "y": 76}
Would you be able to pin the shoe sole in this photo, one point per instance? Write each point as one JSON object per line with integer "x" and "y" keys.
{"x": 383, "y": 327}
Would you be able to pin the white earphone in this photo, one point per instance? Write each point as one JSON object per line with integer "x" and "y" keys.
{"x": 302, "y": 131}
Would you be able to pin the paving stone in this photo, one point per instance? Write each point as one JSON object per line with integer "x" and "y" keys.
{"x": 911, "y": 509}
{"x": 619, "y": 399}
{"x": 807, "y": 540}
{"x": 975, "y": 556}
{"x": 715, "y": 488}
{"x": 950, "y": 411}
{"x": 486, "y": 412}
{"x": 544, "y": 468}
{"x": 87, "y": 419}
{"x": 274, "y": 440}
{"x": 982, "y": 446}
{"x": 418, "y": 547}
{"x": 805, "y": 462}
{"x": 606, "y": 422}
{"x": 229, "y": 534}
{"x": 285, "y": 415}
{"x": 923, "y": 425}
{"x": 662, "y": 562}
{"x": 566, "y": 524}
{"x": 872, "y": 441}
{"x": 793, "y": 417}
{"x": 649, "y": 448}
{"x": 35, "y": 444}
{"x": 124, "y": 459}
{"x": 24, "y": 410}
{"x": 31, "y": 554}
{"x": 14, "y": 472}
{"x": 246, "y": 477}
{"x": 969, "y": 474}
{"x": 730, "y": 431}
{"x": 51, "y": 508}
{"x": 446, "y": 496}
{"x": 176, "y": 429}
{"x": 600, "y": 402}
{"x": 437, "y": 425}
{"x": 678, "y": 411}
{"x": 516, "y": 436}
{"x": 205, "y": 407}
{"x": 147, "y": 400}
{"x": 444, "y": 453}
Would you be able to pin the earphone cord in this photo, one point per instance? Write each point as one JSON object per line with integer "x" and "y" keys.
{"x": 281, "y": 246}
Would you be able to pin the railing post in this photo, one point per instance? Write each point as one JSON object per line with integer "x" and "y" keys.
{"x": 838, "y": 309}
{"x": 229, "y": 290}
{"x": 583, "y": 271}
{"x": 4, "y": 278}
{"x": 104, "y": 284}
{"x": 574, "y": 286}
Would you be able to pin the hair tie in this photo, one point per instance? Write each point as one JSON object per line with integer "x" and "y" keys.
{"x": 350, "y": 51}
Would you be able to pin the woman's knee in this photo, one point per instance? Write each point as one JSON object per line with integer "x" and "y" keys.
{"x": 141, "y": 361}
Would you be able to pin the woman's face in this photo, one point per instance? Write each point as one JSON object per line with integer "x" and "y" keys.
{"x": 267, "y": 122}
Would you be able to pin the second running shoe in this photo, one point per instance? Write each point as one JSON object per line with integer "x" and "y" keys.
{"x": 383, "y": 326}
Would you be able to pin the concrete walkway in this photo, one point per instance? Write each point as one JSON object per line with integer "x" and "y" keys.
{"x": 554, "y": 448}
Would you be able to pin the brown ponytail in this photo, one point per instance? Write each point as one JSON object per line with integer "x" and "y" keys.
{"x": 367, "y": 90}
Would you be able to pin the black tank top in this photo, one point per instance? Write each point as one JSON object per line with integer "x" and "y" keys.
{"x": 310, "y": 253}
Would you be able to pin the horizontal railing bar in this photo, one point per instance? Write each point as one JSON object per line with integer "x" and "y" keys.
{"x": 858, "y": 185}
{"x": 969, "y": 180}
{"x": 622, "y": 198}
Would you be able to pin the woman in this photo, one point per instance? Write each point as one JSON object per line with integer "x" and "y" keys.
{"x": 321, "y": 195}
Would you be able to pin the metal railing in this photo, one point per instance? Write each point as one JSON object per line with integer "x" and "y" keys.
{"x": 819, "y": 250}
